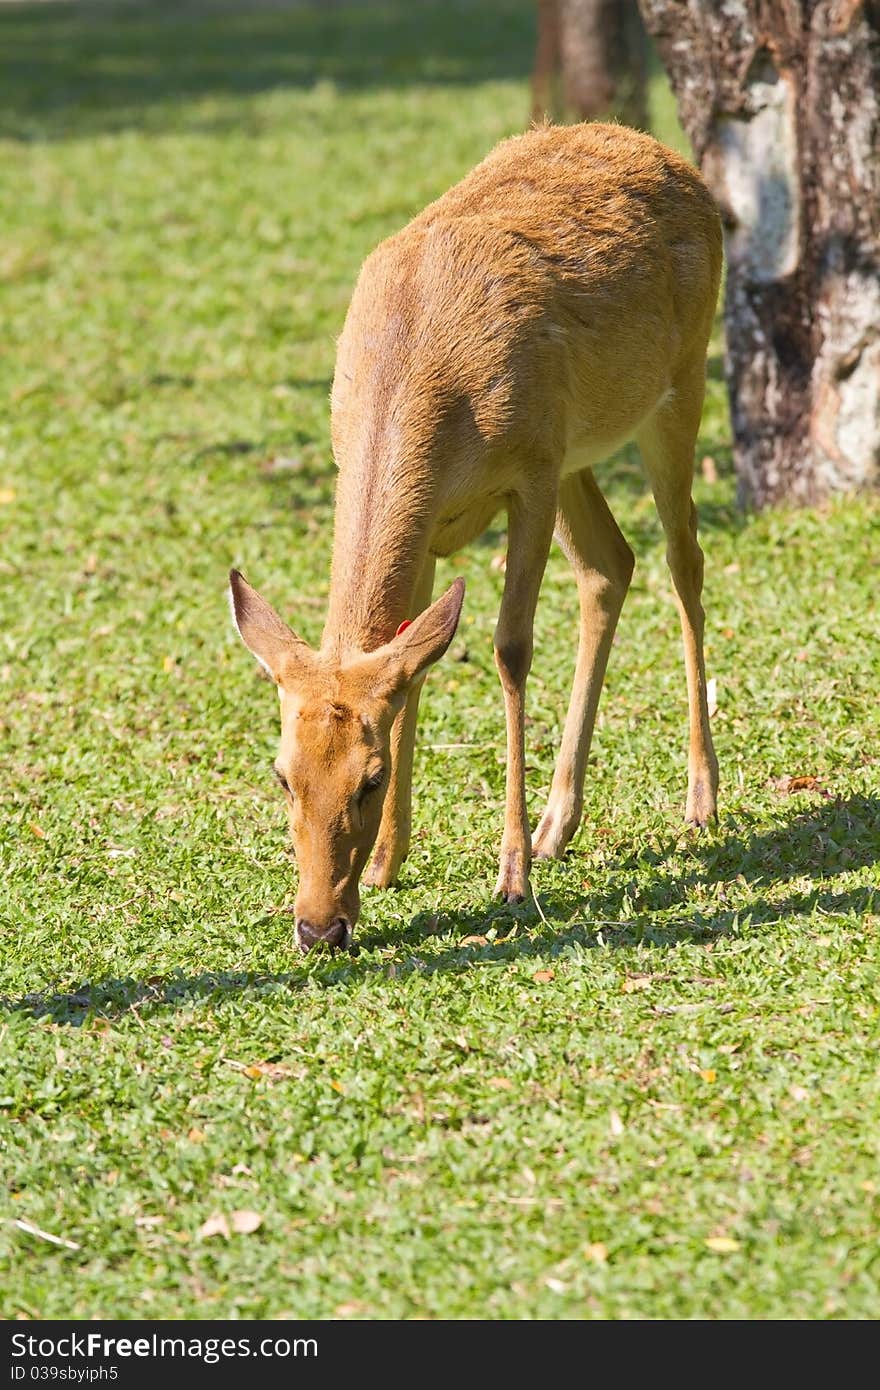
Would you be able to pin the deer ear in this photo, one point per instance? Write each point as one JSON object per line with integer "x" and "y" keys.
{"x": 275, "y": 645}
{"x": 422, "y": 642}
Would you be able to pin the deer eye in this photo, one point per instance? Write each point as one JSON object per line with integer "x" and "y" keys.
{"x": 371, "y": 784}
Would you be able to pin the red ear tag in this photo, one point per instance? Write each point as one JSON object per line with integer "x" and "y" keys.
{"x": 403, "y": 626}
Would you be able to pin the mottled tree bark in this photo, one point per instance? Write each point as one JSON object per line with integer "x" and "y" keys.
{"x": 781, "y": 102}
{"x": 598, "y": 50}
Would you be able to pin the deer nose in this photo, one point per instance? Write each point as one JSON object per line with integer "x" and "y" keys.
{"x": 336, "y": 933}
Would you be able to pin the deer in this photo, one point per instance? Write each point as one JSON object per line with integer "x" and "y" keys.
{"x": 553, "y": 305}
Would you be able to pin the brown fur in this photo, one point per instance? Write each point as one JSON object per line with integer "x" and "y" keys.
{"x": 555, "y": 303}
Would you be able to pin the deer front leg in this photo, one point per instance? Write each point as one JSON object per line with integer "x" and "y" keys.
{"x": 392, "y": 842}
{"x": 529, "y": 533}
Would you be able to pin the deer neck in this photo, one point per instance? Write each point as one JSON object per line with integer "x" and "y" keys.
{"x": 380, "y": 544}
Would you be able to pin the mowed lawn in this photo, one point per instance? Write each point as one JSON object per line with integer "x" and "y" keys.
{"x": 651, "y": 1092}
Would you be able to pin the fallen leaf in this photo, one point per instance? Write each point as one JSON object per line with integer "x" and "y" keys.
{"x": 168, "y": 664}
{"x": 196, "y": 1135}
{"x": 722, "y": 1245}
{"x": 7, "y": 495}
{"x": 709, "y": 1075}
{"x": 786, "y": 785}
{"x": 338, "y": 1086}
{"x": 636, "y": 982}
{"x": 216, "y": 1225}
{"x": 868, "y": 1186}
{"x": 541, "y": 977}
{"x": 597, "y": 1252}
{"x": 36, "y": 830}
{"x": 615, "y": 1124}
{"x": 270, "y": 1071}
{"x": 474, "y": 941}
{"x": 244, "y": 1223}
{"x": 501, "y": 1083}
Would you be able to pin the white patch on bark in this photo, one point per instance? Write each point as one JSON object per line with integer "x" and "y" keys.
{"x": 858, "y": 421}
{"x": 759, "y": 167}
{"x": 846, "y": 384}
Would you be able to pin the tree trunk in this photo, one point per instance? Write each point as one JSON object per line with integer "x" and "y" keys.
{"x": 781, "y": 101}
{"x": 599, "y": 48}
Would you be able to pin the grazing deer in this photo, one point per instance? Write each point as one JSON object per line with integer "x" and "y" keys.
{"x": 555, "y": 303}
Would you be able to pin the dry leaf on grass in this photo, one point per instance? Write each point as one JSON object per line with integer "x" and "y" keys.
{"x": 216, "y": 1225}
{"x": 636, "y": 982}
{"x": 541, "y": 977}
{"x": 597, "y": 1252}
{"x": 615, "y": 1124}
{"x": 269, "y": 1071}
{"x": 244, "y": 1223}
{"x": 474, "y": 941}
{"x": 786, "y": 785}
{"x": 722, "y": 1245}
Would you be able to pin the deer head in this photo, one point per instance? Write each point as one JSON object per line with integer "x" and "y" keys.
{"x": 334, "y": 760}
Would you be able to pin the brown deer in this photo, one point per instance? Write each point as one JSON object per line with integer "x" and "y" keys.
{"x": 555, "y": 303}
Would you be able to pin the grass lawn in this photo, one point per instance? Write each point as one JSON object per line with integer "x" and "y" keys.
{"x": 654, "y": 1092}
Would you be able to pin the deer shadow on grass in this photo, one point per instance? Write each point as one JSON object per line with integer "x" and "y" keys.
{"x": 820, "y": 843}
{"x": 647, "y": 887}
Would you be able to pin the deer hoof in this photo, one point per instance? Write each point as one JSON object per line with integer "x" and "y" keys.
{"x": 513, "y": 877}
{"x": 700, "y": 805}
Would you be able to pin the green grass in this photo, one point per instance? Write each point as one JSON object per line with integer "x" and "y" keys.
{"x": 681, "y": 1045}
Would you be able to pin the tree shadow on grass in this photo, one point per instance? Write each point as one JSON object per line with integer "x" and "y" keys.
{"x": 96, "y": 67}
{"x": 822, "y": 843}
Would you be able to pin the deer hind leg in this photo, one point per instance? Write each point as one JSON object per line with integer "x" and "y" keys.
{"x": 529, "y": 533}
{"x": 603, "y": 565}
{"x": 392, "y": 842}
{"x": 666, "y": 441}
